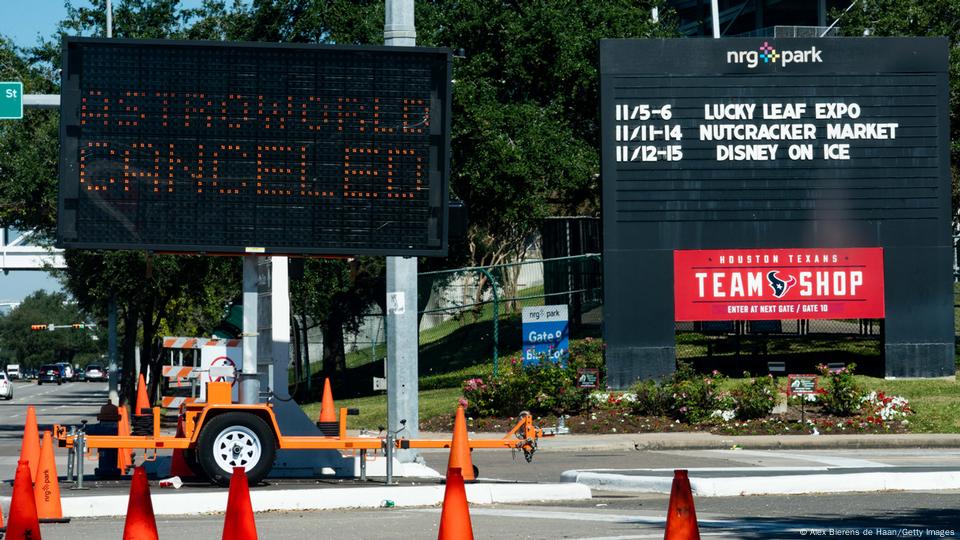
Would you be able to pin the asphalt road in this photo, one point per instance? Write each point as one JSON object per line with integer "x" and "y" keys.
{"x": 608, "y": 516}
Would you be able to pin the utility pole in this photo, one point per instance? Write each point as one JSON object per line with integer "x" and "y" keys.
{"x": 399, "y": 30}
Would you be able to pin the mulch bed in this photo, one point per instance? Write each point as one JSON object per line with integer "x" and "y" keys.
{"x": 618, "y": 421}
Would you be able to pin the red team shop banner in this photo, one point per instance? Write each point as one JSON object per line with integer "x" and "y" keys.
{"x": 759, "y": 284}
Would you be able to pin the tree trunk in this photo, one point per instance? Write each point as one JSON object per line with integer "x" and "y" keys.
{"x": 333, "y": 356}
{"x": 128, "y": 348}
{"x": 306, "y": 347}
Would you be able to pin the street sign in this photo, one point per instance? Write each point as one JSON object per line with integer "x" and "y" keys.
{"x": 11, "y": 100}
{"x": 545, "y": 334}
{"x": 802, "y": 384}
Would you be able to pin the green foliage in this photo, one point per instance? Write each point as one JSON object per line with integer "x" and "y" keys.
{"x": 545, "y": 388}
{"x": 650, "y": 399}
{"x": 32, "y": 348}
{"x": 526, "y": 132}
{"x": 841, "y": 394}
{"x": 917, "y": 18}
{"x": 694, "y": 397}
{"x": 755, "y": 397}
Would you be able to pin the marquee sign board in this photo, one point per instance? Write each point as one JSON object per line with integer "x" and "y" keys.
{"x": 254, "y": 148}
{"x": 737, "y": 144}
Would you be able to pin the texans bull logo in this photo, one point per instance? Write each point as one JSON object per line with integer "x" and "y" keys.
{"x": 779, "y": 286}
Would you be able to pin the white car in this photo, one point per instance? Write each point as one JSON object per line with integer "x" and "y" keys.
{"x": 6, "y": 387}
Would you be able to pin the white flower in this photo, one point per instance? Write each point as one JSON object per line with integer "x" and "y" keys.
{"x": 727, "y": 415}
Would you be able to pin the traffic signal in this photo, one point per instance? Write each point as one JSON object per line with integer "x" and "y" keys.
{"x": 38, "y": 327}
{"x": 78, "y": 326}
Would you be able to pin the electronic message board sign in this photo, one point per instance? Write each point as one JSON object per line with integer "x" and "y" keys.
{"x": 779, "y": 145}
{"x": 254, "y": 148}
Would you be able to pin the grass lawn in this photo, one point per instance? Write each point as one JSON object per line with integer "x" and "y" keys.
{"x": 936, "y": 402}
{"x": 373, "y": 409}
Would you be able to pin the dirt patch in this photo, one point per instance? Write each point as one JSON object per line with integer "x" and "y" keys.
{"x": 620, "y": 421}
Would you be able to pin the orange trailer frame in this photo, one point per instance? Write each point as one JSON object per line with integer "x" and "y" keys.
{"x": 524, "y": 435}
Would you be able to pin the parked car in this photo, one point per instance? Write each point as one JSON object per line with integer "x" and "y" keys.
{"x": 6, "y": 387}
{"x": 96, "y": 373}
{"x": 80, "y": 375}
{"x": 13, "y": 372}
{"x": 29, "y": 374}
{"x": 50, "y": 373}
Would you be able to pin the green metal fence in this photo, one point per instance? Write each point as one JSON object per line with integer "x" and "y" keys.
{"x": 470, "y": 314}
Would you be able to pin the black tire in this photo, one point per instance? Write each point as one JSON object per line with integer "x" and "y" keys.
{"x": 251, "y": 428}
{"x": 39, "y": 383}
{"x": 190, "y": 457}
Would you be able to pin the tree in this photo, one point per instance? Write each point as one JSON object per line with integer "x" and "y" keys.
{"x": 31, "y": 347}
{"x": 917, "y": 18}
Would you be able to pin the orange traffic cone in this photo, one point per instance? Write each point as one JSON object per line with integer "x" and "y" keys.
{"x": 142, "y": 401}
{"x": 47, "y": 489}
{"x": 239, "y": 523}
{"x": 24, "y": 523}
{"x": 460, "y": 447}
{"x": 140, "y": 523}
{"x": 124, "y": 459}
{"x": 30, "y": 447}
{"x": 681, "y": 516}
{"x": 178, "y": 465}
{"x": 327, "y": 411}
{"x": 455, "y": 516}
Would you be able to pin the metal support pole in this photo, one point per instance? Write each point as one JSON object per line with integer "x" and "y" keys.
{"x": 71, "y": 452}
{"x": 715, "y": 15}
{"x": 399, "y": 30}
{"x": 363, "y": 465}
{"x": 249, "y": 381}
{"x": 80, "y": 443}
{"x": 112, "y": 374}
{"x": 109, "y": 19}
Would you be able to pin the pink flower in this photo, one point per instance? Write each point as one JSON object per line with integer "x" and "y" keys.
{"x": 464, "y": 403}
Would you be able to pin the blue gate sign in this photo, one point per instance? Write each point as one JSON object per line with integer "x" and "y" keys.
{"x": 546, "y": 334}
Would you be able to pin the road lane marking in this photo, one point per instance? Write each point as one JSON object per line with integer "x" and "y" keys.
{"x": 831, "y": 461}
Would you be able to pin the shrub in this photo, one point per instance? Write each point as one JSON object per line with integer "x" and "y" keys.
{"x": 650, "y": 398}
{"x": 755, "y": 398}
{"x": 693, "y": 398}
{"x": 545, "y": 388}
{"x": 841, "y": 394}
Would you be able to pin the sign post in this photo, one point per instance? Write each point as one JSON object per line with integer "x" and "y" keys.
{"x": 11, "y": 100}
{"x": 801, "y": 385}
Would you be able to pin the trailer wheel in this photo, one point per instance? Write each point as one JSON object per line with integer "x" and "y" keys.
{"x": 193, "y": 462}
{"x": 236, "y": 439}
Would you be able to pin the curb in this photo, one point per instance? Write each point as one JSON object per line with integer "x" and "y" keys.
{"x": 684, "y": 441}
{"x": 184, "y": 503}
{"x": 771, "y": 485}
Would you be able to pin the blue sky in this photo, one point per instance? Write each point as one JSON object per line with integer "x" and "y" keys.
{"x": 23, "y": 21}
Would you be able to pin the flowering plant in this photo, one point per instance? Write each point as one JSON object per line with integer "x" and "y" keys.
{"x": 879, "y": 407}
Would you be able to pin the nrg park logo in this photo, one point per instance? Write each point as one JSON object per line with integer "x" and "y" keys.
{"x": 767, "y": 54}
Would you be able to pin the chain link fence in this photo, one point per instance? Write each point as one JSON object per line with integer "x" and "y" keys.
{"x": 471, "y": 314}
{"x": 781, "y": 346}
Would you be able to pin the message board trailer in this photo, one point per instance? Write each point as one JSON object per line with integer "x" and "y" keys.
{"x": 775, "y": 144}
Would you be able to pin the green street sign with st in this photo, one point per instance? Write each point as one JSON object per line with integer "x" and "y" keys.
{"x": 11, "y": 100}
